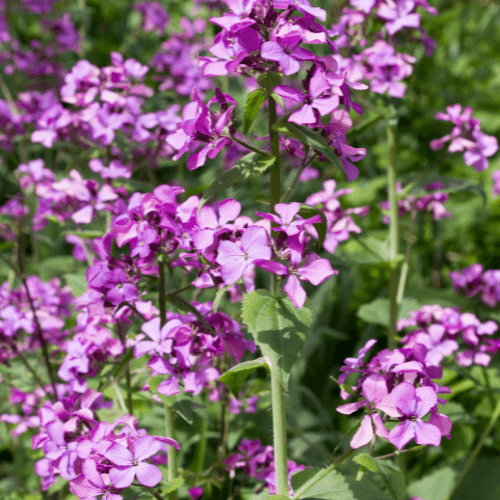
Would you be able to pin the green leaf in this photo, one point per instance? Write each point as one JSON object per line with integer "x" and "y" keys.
{"x": 367, "y": 461}
{"x": 234, "y": 377}
{"x": 301, "y": 477}
{"x": 173, "y": 485}
{"x": 391, "y": 475}
{"x": 336, "y": 486}
{"x": 307, "y": 211}
{"x": 128, "y": 357}
{"x": 254, "y": 102}
{"x": 269, "y": 81}
{"x": 377, "y": 312}
{"x": 279, "y": 329}
{"x": 77, "y": 283}
{"x": 313, "y": 139}
{"x": 436, "y": 485}
{"x": 250, "y": 165}
{"x": 366, "y": 250}
{"x": 278, "y": 497}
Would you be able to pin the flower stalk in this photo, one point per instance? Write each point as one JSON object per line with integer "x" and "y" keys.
{"x": 169, "y": 413}
{"x": 278, "y": 401}
{"x": 393, "y": 236}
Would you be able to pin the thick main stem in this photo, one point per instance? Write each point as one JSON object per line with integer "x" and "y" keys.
{"x": 279, "y": 430}
{"x": 278, "y": 401}
{"x": 169, "y": 413}
{"x": 393, "y": 238}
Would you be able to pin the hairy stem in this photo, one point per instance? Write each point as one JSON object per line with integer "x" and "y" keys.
{"x": 169, "y": 413}
{"x": 393, "y": 237}
{"x": 410, "y": 240}
{"x": 278, "y": 401}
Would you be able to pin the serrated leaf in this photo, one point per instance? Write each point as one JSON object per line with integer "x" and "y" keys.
{"x": 250, "y": 165}
{"x": 313, "y": 139}
{"x": 279, "y": 329}
{"x": 173, "y": 485}
{"x": 234, "y": 377}
{"x": 336, "y": 486}
{"x": 303, "y": 476}
{"x": 307, "y": 211}
{"x": 378, "y": 311}
{"x": 254, "y": 102}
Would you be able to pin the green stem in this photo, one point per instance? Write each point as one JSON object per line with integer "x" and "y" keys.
{"x": 318, "y": 477}
{"x": 393, "y": 237}
{"x": 248, "y": 146}
{"x": 278, "y": 401}
{"x": 275, "y": 150}
{"x": 475, "y": 452}
{"x": 171, "y": 451}
{"x": 489, "y": 390}
{"x": 169, "y": 413}
{"x": 410, "y": 240}
{"x": 154, "y": 493}
{"x": 279, "y": 430}
{"x": 297, "y": 177}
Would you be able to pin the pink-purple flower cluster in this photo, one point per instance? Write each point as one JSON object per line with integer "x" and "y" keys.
{"x": 396, "y": 386}
{"x": 440, "y": 332}
{"x": 97, "y": 458}
{"x": 396, "y": 16}
{"x": 185, "y": 351}
{"x": 257, "y": 461}
{"x": 52, "y": 303}
{"x": 474, "y": 281}
{"x": 432, "y": 202}
{"x": 340, "y": 223}
{"x": 177, "y": 63}
{"x": 466, "y": 135}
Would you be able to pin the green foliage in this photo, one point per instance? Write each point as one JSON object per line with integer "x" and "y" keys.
{"x": 250, "y": 165}
{"x": 254, "y": 102}
{"x": 235, "y": 376}
{"x": 278, "y": 328}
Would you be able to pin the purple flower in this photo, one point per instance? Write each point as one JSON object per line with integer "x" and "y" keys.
{"x": 414, "y": 404}
{"x": 130, "y": 464}
{"x": 287, "y": 53}
{"x": 234, "y": 259}
{"x": 315, "y": 103}
{"x": 399, "y": 15}
{"x": 90, "y": 484}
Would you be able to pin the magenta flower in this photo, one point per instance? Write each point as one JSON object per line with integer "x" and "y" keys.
{"x": 414, "y": 404}
{"x": 374, "y": 390}
{"x": 399, "y": 16}
{"x": 160, "y": 342}
{"x": 90, "y": 484}
{"x": 131, "y": 464}
{"x": 287, "y": 53}
{"x": 234, "y": 260}
{"x": 317, "y": 101}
